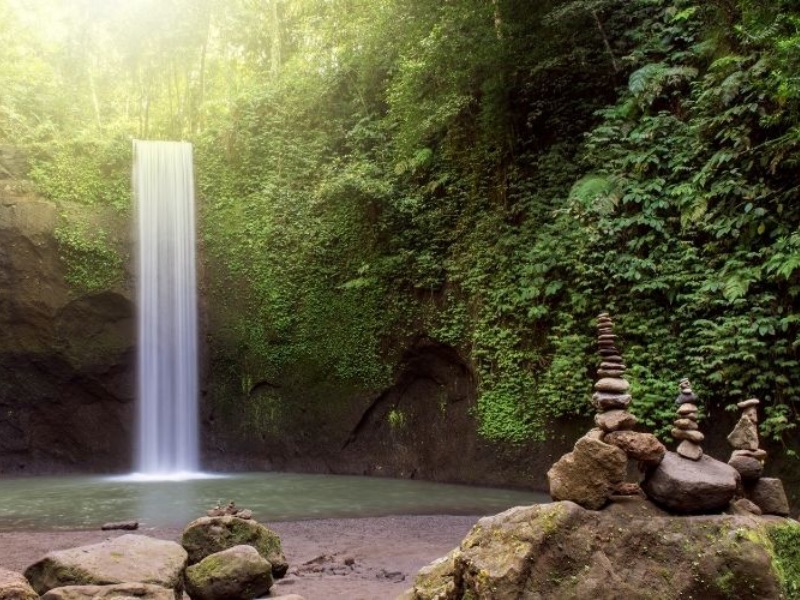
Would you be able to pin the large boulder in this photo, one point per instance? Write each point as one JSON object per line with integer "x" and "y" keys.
{"x": 588, "y": 474}
{"x": 209, "y": 535}
{"x": 560, "y": 551}
{"x": 14, "y": 586}
{"x": 120, "y": 591}
{"x": 126, "y": 559}
{"x": 239, "y": 572}
{"x": 688, "y": 486}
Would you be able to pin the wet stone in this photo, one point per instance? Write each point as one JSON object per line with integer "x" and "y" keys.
{"x": 609, "y": 373}
{"x": 610, "y": 401}
{"x": 692, "y": 436}
{"x": 744, "y": 436}
{"x": 751, "y": 413}
{"x": 615, "y": 420}
{"x": 613, "y": 385}
{"x": 748, "y": 403}
{"x": 685, "y": 424}
{"x": 749, "y": 468}
{"x": 689, "y": 450}
{"x": 759, "y": 454}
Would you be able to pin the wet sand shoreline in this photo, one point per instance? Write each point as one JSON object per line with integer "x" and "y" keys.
{"x": 371, "y": 558}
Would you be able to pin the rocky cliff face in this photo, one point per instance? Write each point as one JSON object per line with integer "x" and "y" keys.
{"x": 65, "y": 359}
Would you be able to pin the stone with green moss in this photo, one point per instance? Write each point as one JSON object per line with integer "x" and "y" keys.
{"x": 209, "y": 535}
{"x": 239, "y": 572}
{"x": 14, "y": 586}
{"x": 561, "y": 551}
{"x": 125, "y": 559}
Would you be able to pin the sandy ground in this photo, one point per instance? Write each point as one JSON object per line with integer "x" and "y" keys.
{"x": 332, "y": 559}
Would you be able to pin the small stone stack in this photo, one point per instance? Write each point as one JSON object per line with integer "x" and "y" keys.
{"x": 686, "y": 429}
{"x": 766, "y": 493}
{"x": 747, "y": 457}
{"x": 611, "y": 398}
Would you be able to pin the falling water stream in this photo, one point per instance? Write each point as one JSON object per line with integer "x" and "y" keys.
{"x": 163, "y": 183}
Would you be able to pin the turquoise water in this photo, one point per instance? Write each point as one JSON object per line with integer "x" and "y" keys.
{"x": 88, "y": 502}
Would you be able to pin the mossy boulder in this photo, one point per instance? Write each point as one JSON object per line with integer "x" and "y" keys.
{"x": 561, "y": 551}
{"x": 239, "y": 572}
{"x": 124, "y": 559}
{"x": 14, "y": 586}
{"x": 120, "y": 591}
{"x": 209, "y": 535}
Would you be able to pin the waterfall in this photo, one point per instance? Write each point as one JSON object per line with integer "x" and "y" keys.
{"x": 163, "y": 184}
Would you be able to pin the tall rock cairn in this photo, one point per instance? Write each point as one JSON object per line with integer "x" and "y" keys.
{"x": 685, "y": 428}
{"x": 767, "y": 493}
{"x": 611, "y": 397}
{"x": 747, "y": 457}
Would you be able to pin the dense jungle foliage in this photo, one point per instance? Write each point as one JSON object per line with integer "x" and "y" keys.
{"x": 490, "y": 174}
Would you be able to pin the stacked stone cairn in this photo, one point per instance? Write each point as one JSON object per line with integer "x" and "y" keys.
{"x": 611, "y": 397}
{"x": 686, "y": 429}
{"x": 596, "y": 468}
{"x": 765, "y": 493}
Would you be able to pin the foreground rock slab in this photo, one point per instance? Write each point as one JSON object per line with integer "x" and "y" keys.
{"x": 14, "y": 586}
{"x": 209, "y": 535}
{"x": 121, "y": 591}
{"x": 126, "y": 559}
{"x": 239, "y": 572}
{"x": 686, "y": 486}
{"x": 561, "y": 551}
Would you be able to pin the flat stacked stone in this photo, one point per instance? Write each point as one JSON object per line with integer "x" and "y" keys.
{"x": 685, "y": 426}
{"x": 611, "y": 397}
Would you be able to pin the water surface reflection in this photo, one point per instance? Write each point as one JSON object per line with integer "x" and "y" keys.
{"x": 87, "y": 502}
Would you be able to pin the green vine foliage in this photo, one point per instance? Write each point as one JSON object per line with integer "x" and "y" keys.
{"x": 490, "y": 175}
{"x": 92, "y": 262}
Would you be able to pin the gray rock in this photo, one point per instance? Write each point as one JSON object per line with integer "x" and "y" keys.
{"x": 239, "y": 572}
{"x": 744, "y": 436}
{"x": 768, "y": 494}
{"x": 689, "y": 486}
{"x": 588, "y": 474}
{"x": 120, "y": 591}
{"x": 603, "y": 401}
{"x": 126, "y": 559}
{"x": 689, "y": 450}
{"x": 14, "y": 586}
{"x": 759, "y": 454}
{"x": 643, "y": 447}
{"x": 751, "y": 413}
{"x": 749, "y": 468}
{"x": 614, "y": 420}
{"x": 610, "y": 372}
{"x": 748, "y": 403}
{"x": 612, "y": 385}
{"x": 209, "y": 535}
{"x": 743, "y": 506}
{"x": 685, "y": 434}
{"x": 124, "y": 525}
